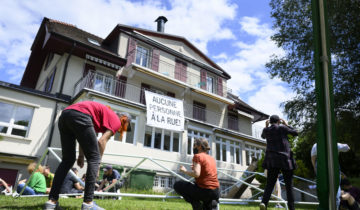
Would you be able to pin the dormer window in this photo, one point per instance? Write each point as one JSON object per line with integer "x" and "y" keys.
{"x": 142, "y": 56}
{"x": 93, "y": 41}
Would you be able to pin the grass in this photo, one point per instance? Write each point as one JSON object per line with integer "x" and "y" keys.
{"x": 8, "y": 202}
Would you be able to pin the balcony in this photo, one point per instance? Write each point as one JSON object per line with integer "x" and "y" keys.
{"x": 178, "y": 72}
{"x": 107, "y": 85}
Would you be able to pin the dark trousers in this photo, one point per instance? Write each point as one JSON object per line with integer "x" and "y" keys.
{"x": 76, "y": 125}
{"x": 195, "y": 195}
{"x": 272, "y": 176}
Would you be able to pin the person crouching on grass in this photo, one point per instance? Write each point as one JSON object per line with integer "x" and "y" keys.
{"x": 206, "y": 187}
{"x": 82, "y": 121}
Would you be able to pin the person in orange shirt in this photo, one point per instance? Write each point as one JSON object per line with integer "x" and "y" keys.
{"x": 204, "y": 193}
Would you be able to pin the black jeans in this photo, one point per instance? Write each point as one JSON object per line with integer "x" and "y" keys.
{"x": 194, "y": 194}
{"x": 76, "y": 125}
{"x": 270, "y": 183}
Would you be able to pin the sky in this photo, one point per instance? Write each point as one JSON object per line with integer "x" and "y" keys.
{"x": 233, "y": 33}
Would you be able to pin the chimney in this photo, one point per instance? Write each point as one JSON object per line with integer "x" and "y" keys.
{"x": 161, "y": 20}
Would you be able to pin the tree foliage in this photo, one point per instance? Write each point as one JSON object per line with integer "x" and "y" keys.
{"x": 293, "y": 23}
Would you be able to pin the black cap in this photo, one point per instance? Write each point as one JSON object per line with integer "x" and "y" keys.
{"x": 274, "y": 118}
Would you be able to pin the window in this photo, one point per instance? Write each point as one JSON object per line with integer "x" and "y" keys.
{"x": 103, "y": 82}
{"x": 228, "y": 151}
{"x": 15, "y": 119}
{"x": 142, "y": 56}
{"x": 163, "y": 182}
{"x": 50, "y": 81}
{"x": 162, "y": 139}
{"x": 233, "y": 122}
{"x": 128, "y": 137}
{"x": 251, "y": 152}
{"x": 93, "y": 41}
{"x": 195, "y": 134}
{"x": 199, "y": 111}
{"x": 210, "y": 84}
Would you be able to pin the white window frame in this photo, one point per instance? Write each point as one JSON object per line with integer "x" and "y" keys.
{"x": 142, "y": 55}
{"x": 103, "y": 79}
{"x": 163, "y": 182}
{"x": 200, "y": 134}
{"x": 228, "y": 144}
{"x": 210, "y": 83}
{"x": 251, "y": 149}
{"x": 134, "y": 129}
{"x": 153, "y": 129}
{"x": 11, "y": 124}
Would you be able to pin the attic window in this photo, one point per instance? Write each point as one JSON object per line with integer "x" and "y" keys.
{"x": 92, "y": 41}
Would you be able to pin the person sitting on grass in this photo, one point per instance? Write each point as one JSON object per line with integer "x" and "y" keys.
{"x": 37, "y": 183}
{"x": 71, "y": 184}
{"x": 206, "y": 186}
{"x": 49, "y": 177}
{"x": 4, "y": 187}
{"x": 110, "y": 177}
{"x": 350, "y": 196}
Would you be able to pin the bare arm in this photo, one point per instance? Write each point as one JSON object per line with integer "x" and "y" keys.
{"x": 101, "y": 185}
{"x": 112, "y": 182}
{"x": 195, "y": 172}
{"x": 103, "y": 141}
{"x": 80, "y": 160}
{"x": 78, "y": 186}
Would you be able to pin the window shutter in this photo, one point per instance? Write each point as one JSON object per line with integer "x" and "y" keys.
{"x": 131, "y": 51}
{"x": 120, "y": 87}
{"x": 203, "y": 79}
{"x": 220, "y": 86}
{"x": 180, "y": 70}
{"x": 88, "y": 75}
{"x": 155, "y": 59}
{"x": 142, "y": 94}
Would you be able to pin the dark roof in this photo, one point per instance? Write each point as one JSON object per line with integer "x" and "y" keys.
{"x": 60, "y": 37}
{"x": 242, "y": 106}
{"x": 79, "y": 35}
{"x": 119, "y": 27}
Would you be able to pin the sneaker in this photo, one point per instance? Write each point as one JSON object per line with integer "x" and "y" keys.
{"x": 50, "y": 206}
{"x": 214, "y": 204}
{"x": 15, "y": 194}
{"x": 92, "y": 206}
{"x": 118, "y": 191}
{"x": 262, "y": 206}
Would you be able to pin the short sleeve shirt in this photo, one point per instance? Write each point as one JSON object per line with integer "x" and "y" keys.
{"x": 68, "y": 183}
{"x": 208, "y": 175}
{"x": 102, "y": 116}
{"x": 341, "y": 148}
{"x": 115, "y": 175}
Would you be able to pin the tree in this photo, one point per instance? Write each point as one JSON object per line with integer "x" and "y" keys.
{"x": 294, "y": 34}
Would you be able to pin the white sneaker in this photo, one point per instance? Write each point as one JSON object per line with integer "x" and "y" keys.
{"x": 15, "y": 194}
{"x": 118, "y": 191}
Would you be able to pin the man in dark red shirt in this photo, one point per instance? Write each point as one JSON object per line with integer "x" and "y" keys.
{"x": 82, "y": 121}
{"x": 350, "y": 196}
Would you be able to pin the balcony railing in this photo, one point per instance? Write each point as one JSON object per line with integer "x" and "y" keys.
{"x": 156, "y": 63}
{"x": 108, "y": 85}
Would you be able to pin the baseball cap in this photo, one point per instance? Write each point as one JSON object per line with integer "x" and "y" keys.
{"x": 107, "y": 167}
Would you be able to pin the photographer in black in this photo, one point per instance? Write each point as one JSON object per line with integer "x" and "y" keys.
{"x": 278, "y": 157}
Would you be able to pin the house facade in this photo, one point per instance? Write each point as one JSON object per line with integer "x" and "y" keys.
{"x": 68, "y": 65}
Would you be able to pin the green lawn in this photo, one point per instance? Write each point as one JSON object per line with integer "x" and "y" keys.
{"x": 8, "y": 202}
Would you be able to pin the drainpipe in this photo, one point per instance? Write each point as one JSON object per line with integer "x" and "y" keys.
{"x": 57, "y": 103}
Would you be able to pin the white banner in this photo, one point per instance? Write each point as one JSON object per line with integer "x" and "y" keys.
{"x": 164, "y": 112}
